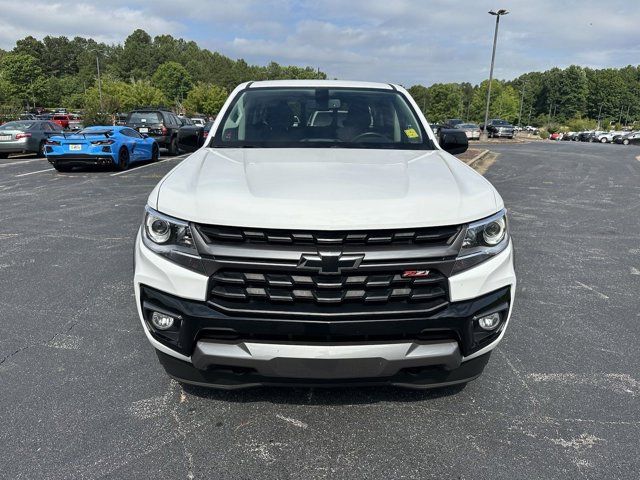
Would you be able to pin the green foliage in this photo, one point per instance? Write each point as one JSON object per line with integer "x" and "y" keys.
{"x": 580, "y": 124}
{"x": 58, "y": 71}
{"x": 205, "y": 99}
{"x": 19, "y": 72}
{"x": 173, "y": 80}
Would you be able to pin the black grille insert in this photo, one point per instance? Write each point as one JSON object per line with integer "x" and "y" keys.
{"x": 435, "y": 236}
{"x": 285, "y": 292}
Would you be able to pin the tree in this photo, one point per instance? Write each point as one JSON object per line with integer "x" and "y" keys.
{"x": 206, "y": 99}
{"x": 20, "y": 72}
{"x": 136, "y": 60}
{"x": 173, "y": 80}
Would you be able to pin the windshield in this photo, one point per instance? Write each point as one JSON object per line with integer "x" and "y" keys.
{"x": 17, "y": 125}
{"x": 500, "y": 122}
{"x": 320, "y": 117}
{"x": 468, "y": 125}
{"x": 145, "y": 117}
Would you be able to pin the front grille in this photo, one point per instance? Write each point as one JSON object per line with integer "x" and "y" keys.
{"x": 431, "y": 236}
{"x": 294, "y": 292}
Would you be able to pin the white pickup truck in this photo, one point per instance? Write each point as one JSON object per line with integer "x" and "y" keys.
{"x": 356, "y": 250}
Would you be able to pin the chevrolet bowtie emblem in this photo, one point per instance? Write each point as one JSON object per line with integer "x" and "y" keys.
{"x": 330, "y": 262}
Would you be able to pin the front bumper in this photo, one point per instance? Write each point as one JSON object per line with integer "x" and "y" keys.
{"x": 504, "y": 133}
{"x": 212, "y": 348}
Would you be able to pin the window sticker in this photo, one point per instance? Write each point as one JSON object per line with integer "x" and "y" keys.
{"x": 411, "y": 133}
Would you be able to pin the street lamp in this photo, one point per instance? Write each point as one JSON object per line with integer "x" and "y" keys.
{"x": 99, "y": 82}
{"x": 497, "y": 14}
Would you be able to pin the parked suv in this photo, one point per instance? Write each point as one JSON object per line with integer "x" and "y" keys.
{"x": 288, "y": 253}
{"x": 161, "y": 125}
{"x": 500, "y": 128}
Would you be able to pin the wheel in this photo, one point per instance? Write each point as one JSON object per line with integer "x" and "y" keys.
{"x": 173, "y": 147}
{"x": 4, "y": 155}
{"x": 625, "y": 141}
{"x": 155, "y": 153}
{"x": 62, "y": 168}
{"x": 123, "y": 159}
{"x": 42, "y": 149}
{"x": 603, "y": 140}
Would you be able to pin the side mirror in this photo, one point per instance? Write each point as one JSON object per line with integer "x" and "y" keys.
{"x": 453, "y": 141}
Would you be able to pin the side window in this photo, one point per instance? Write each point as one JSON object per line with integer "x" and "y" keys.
{"x": 234, "y": 128}
{"x": 131, "y": 133}
{"x": 46, "y": 127}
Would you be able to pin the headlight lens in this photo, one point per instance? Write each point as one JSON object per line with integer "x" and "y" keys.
{"x": 483, "y": 239}
{"x": 171, "y": 238}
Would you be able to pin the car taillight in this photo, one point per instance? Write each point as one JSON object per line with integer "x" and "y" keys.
{"x": 164, "y": 130}
{"x": 22, "y": 135}
{"x": 53, "y": 142}
{"x": 206, "y": 133}
{"x": 102, "y": 142}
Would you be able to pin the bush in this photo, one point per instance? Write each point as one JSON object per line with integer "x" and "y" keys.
{"x": 544, "y": 134}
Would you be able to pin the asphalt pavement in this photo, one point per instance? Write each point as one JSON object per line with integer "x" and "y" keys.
{"x": 83, "y": 396}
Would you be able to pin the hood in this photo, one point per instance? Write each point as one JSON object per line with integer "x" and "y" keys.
{"x": 325, "y": 189}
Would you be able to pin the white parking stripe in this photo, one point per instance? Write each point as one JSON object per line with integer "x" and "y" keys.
{"x": 134, "y": 170}
{"x": 33, "y": 173}
{"x": 21, "y": 162}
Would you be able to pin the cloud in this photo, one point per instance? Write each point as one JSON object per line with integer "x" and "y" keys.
{"x": 104, "y": 24}
{"x": 404, "y": 41}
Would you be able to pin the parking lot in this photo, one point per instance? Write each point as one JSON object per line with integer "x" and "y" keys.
{"x": 83, "y": 395}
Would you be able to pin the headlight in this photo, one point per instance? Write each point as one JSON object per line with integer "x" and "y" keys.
{"x": 170, "y": 238}
{"x": 483, "y": 239}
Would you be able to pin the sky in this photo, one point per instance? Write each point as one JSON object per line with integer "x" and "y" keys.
{"x": 402, "y": 41}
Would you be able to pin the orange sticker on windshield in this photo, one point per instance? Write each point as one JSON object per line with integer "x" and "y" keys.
{"x": 411, "y": 133}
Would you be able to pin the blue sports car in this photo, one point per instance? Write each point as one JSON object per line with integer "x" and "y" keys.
{"x": 104, "y": 146}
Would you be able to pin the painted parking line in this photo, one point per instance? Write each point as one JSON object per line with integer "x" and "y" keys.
{"x": 134, "y": 170}
{"x": 20, "y": 162}
{"x": 33, "y": 173}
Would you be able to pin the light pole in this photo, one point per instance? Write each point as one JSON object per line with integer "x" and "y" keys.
{"x": 497, "y": 14}
{"x": 99, "y": 82}
{"x": 521, "y": 103}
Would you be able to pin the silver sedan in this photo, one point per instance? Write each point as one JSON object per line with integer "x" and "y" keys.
{"x": 26, "y": 136}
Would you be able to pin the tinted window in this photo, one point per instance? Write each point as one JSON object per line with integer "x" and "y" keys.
{"x": 18, "y": 125}
{"x": 130, "y": 133}
{"x": 145, "y": 117}
{"x": 321, "y": 117}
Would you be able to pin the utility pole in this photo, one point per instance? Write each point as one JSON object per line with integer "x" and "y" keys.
{"x": 99, "y": 82}
{"x": 521, "y": 103}
{"x": 497, "y": 14}
{"x": 599, "y": 112}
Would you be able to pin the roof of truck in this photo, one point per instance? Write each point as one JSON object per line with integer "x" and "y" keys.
{"x": 319, "y": 83}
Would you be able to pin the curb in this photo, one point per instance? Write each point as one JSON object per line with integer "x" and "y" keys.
{"x": 478, "y": 157}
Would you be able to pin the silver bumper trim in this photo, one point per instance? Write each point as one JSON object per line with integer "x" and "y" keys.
{"x": 326, "y": 361}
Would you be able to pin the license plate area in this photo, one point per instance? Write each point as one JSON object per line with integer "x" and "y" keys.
{"x": 75, "y": 147}
{"x": 143, "y": 130}
{"x": 5, "y": 138}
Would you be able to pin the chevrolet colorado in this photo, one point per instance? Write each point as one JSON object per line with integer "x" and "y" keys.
{"x": 350, "y": 252}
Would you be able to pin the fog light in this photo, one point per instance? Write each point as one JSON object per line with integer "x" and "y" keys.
{"x": 489, "y": 322}
{"x": 162, "y": 321}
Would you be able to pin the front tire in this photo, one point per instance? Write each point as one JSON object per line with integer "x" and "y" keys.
{"x": 4, "y": 155}
{"x": 155, "y": 153}
{"x": 173, "y": 147}
{"x": 603, "y": 140}
{"x": 62, "y": 168}
{"x": 123, "y": 159}
{"x": 625, "y": 141}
